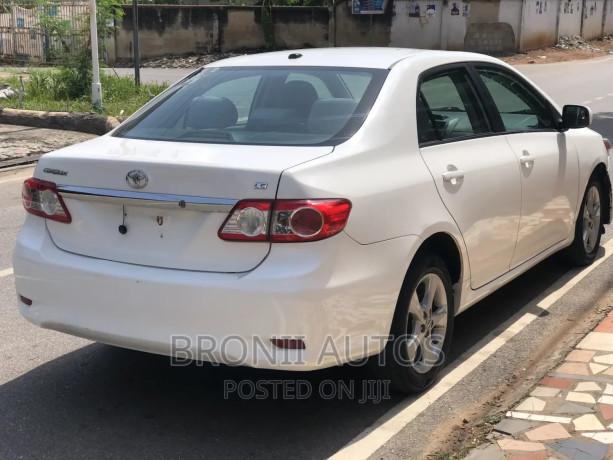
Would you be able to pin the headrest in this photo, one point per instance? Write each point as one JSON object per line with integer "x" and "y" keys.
{"x": 328, "y": 116}
{"x": 211, "y": 112}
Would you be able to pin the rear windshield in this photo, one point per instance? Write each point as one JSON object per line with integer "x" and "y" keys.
{"x": 260, "y": 105}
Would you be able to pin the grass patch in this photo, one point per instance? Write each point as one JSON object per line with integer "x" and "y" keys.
{"x": 52, "y": 90}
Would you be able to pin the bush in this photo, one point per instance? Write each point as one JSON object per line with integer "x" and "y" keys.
{"x": 66, "y": 89}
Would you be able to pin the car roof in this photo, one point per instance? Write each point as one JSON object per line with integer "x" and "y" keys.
{"x": 371, "y": 58}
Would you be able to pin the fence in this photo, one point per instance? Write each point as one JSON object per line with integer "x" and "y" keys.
{"x": 26, "y": 29}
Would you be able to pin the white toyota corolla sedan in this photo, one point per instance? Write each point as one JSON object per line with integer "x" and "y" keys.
{"x": 303, "y": 209}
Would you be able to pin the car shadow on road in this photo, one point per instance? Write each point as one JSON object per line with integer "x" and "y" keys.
{"x": 101, "y": 401}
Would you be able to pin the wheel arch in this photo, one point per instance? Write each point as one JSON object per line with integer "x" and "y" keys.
{"x": 449, "y": 249}
{"x": 445, "y": 246}
{"x": 600, "y": 171}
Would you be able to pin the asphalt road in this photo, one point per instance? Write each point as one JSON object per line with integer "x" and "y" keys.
{"x": 66, "y": 397}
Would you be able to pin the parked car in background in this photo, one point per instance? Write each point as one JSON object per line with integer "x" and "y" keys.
{"x": 302, "y": 209}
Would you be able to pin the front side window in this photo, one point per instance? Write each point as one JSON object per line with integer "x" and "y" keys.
{"x": 448, "y": 107}
{"x": 261, "y": 105}
{"x": 520, "y": 107}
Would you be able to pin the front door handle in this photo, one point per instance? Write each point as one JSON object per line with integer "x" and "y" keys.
{"x": 453, "y": 176}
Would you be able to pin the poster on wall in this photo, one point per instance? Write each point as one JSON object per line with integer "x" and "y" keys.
{"x": 414, "y": 11}
{"x": 466, "y": 10}
{"x": 431, "y": 11}
{"x": 368, "y": 6}
{"x": 455, "y": 11}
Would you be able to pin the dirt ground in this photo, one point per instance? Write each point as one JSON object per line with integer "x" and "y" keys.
{"x": 597, "y": 48}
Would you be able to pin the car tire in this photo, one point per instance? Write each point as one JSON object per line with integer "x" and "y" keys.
{"x": 421, "y": 330}
{"x": 588, "y": 228}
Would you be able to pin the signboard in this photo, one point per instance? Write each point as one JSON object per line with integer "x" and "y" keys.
{"x": 368, "y": 6}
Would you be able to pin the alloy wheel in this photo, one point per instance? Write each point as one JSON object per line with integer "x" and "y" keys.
{"x": 427, "y": 323}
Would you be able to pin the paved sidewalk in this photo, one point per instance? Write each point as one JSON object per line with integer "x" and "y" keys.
{"x": 569, "y": 415}
{"x": 23, "y": 141}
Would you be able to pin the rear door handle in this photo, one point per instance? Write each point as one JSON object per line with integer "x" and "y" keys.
{"x": 453, "y": 176}
{"x": 527, "y": 160}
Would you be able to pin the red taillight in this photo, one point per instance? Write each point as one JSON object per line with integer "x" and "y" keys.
{"x": 607, "y": 144}
{"x": 285, "y": 220}
{"x": 308, "y": 220}
{"x": 41, "y": 198}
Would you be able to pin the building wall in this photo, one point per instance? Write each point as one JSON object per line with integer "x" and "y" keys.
{"x": 489, "y": 26}
{"x": 361, "y": 30}
{"x": 570, "y": 17}
{"x": 608, "y": 18}
{"x": 417, "y": 24}
{"x": 539, "y": 24}
{"x": 592, "y": 19}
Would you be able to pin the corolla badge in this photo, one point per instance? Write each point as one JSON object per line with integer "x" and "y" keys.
{"x": 137, "y": 179}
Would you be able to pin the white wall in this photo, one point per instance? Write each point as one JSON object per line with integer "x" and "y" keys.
{"x": 608, "y": 23}
{"x": 570, "y": 17}
{"x": 510, "y": 12}
{"x": 539, "y": 21}
{"x": 416, "y": 32}
{"x": 592, "y": 19}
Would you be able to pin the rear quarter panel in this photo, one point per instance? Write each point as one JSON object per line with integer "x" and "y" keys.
{"x": 591, "y": 152}
{"x": 380, "y": 171}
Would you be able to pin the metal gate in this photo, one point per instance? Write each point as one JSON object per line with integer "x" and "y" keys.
{"x": 25, "y": 38}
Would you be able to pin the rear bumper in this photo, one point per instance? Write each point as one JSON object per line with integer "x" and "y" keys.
{"x": 338, "y": 295}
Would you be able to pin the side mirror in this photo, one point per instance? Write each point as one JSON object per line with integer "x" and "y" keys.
{"x": 575, "y": 117}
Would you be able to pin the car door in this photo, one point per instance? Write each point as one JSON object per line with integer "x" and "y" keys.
{"x": 547, "y": 160}
{"x": 475, "y": 170}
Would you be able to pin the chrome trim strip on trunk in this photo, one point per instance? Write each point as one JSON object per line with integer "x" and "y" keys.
{"x": 148, "y": 200}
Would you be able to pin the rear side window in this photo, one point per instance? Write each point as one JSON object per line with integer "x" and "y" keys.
{"x": 448, "y": 107}
{"x": 261, "y": 106}
{"x": 520, "y": 107}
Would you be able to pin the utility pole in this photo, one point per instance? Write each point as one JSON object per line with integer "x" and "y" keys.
{"x": 93, "y": 30}
{"x": 136, "y": 46}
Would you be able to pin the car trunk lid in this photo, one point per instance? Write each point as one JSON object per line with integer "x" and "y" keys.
{"x": 173, "y": 220}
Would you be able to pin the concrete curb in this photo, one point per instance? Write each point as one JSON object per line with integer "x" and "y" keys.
{"x": 91, "y": 123}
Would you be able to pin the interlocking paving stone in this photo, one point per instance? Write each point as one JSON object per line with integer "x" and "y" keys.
{"x": 606, "y": 410}
{"x": 606, "y": 399}
{"x": 513, "y": 444}
{"x": 580, "y": 450}
{"x": 605, "y": 326}
{"x": 580, "y": 397}
{"x": 603, "y": 359}
{"x": 609, "y": 371}
{"x": 588, "y": 422}
{"x": 512, "y": 427}
{"x": 574, "y": 368}
{"x": 538, "y": 417}
{"x": 547, "y": 432}
{"x": 529, "y": 457}
{"x": 545, "y": 392}
{"x": 588, "y": 386}
{"x": 599, "y": 341}
{"x": 582, "y": 356}
{"x": 597, "y": 368}
{"x": 556, "y": 382}
{"x": 492, "y": 452}
{"x": 572, "y": 408}
{"x": 532, "y": 404}
{"x": 602, "y": 436}
{"x": 585, "y": 378}
{"x": 609, "y": 389}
